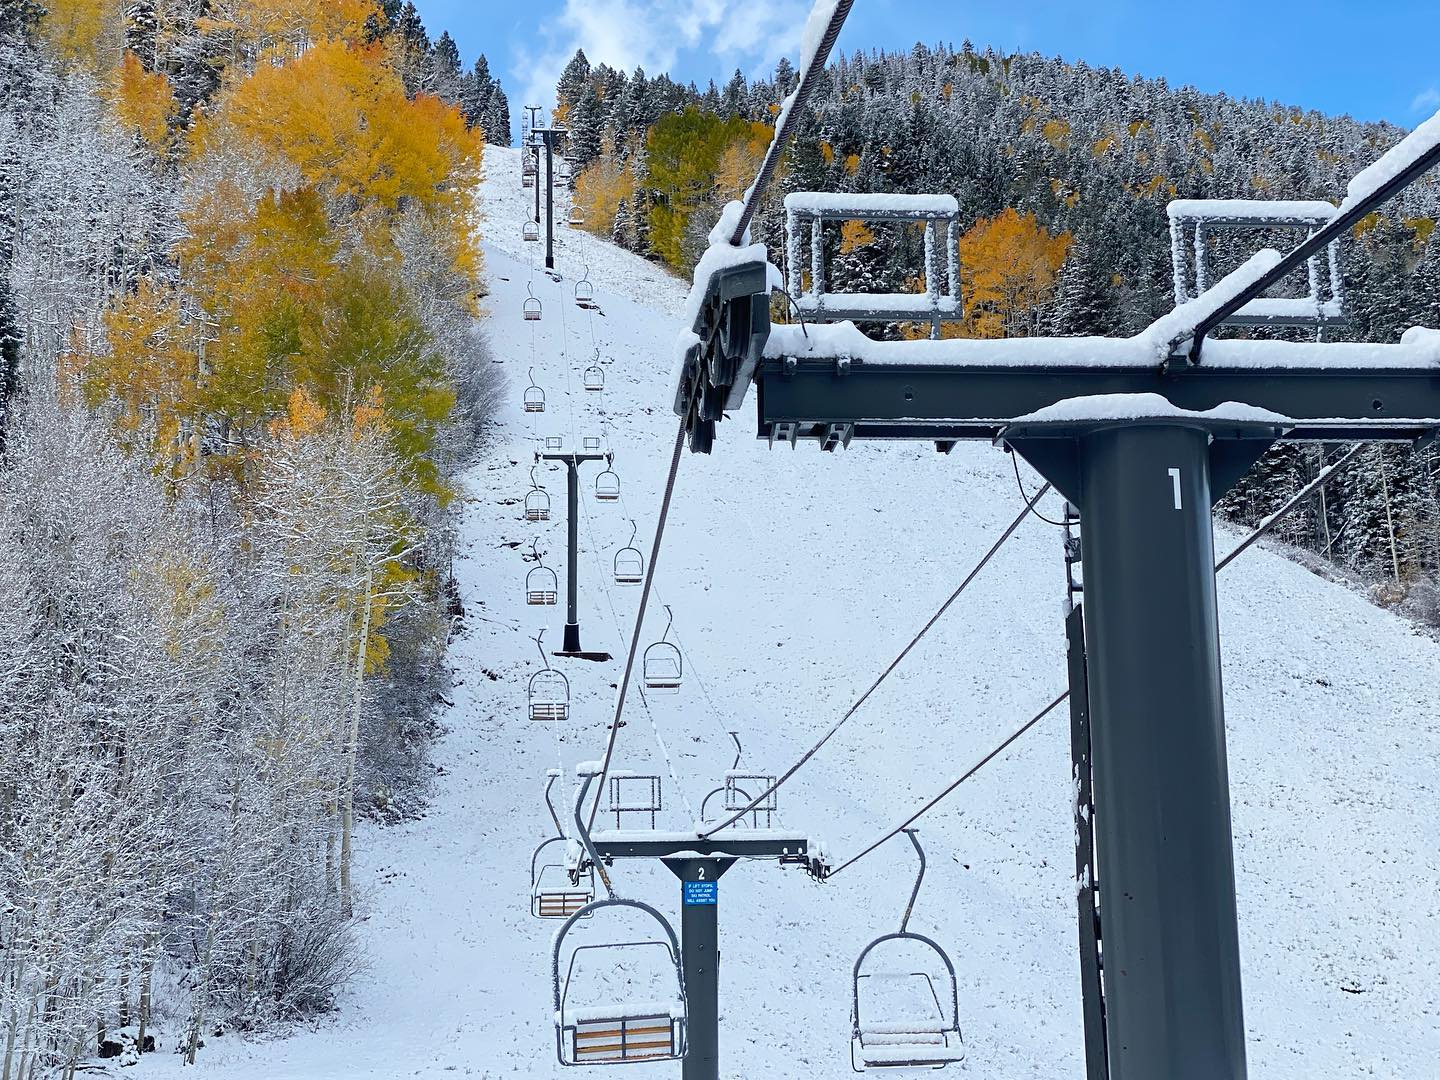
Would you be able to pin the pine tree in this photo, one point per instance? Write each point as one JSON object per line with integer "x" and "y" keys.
{"x": 1084, "y": 303}
{"x": 571, "y": 85}
{"x": 497, "y": 117}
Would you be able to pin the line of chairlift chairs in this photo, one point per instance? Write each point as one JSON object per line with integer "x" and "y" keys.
{"x": 905, "y": 1011}
{"x": 562, "y": 880}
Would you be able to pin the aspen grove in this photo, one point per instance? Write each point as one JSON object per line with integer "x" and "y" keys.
{"x": 241, "y": 365}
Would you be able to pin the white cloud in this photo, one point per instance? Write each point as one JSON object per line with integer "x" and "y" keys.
{"x": 1426, "y": 101}
{"x": 749, "y": 34}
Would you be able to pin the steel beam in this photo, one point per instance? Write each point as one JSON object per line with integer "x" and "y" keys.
{"x": 794, "y": 847}
{"x": 802, "y": 400}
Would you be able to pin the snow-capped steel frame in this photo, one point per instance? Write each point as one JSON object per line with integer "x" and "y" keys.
{"x": 1192, "y": 221}
{"x": 813, "y": 209}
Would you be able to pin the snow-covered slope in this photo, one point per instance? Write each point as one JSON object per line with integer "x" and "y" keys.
{"x": 794, "y": 577}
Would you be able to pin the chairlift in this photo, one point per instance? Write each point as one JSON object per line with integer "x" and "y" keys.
{"x": 531, "y": 231}
{"x": 629, "y": 562}
{"x": 528, "y": 179}
{"x": 554, "y": 442}
{"x": 557, "y": 891}
{"x": 548, "y": 695}
{"x": 532, "y": 306}
{"x": 928, "y": 1037}
{"x": 663, "y": 668}
{"x": 534, "y": 396}
{"x": 590, "y": 444}
{"x": 563, "y": 169}
{"x": 618, "y": 1032}
{"x": 739, "y": 791}
{"x": 537, "y": 500}
{"x": 595, "y": 378}
{"x": 585, "y": 291}
{"x": 541, "y": 585}
{"x": 577, "y": 216}
{"x": 607, "y": 487}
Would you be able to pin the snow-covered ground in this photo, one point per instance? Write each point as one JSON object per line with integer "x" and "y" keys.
{"x": 794, "y": 576}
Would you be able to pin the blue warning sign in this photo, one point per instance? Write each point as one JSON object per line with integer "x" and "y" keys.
{"x": 700, "y": 892}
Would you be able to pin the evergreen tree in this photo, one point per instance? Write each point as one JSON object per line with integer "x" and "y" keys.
{"x": 1084, "y": 302}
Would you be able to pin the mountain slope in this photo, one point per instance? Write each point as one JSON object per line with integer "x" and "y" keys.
{"x": 794, "y": 577}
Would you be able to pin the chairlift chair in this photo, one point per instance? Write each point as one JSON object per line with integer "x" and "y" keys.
{"x": 563, "y": 169}
{"x": 618, "y": 1032}
{"x": 554, "y": 442}
{"x": 590, "y": 444}
{"x": 585, "y": 291}
{"x": 595, "y": 378}
{"x": 541, "y": 587}
{"x": 534, "y": 396}
{"x": 629, "y": 562}
{"x": 528, "y": 180}
{"x": 548, "y": 694}
{"x": 577, "y": 216}
{"x": 929, "y": 1038}
{"x": 537, "y": 500}
{"x": 663, "y": 667}
{"x": 607, "y": 486}
{"x": 531, "y": 231}
{"x": 557, "y": 891}
{"x": 532, "y": 306}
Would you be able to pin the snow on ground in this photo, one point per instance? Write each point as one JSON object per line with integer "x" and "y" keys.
{"x": 794, "y": 576}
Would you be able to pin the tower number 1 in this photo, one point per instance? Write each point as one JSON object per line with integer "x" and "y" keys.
{"x": 1175, "y": 481}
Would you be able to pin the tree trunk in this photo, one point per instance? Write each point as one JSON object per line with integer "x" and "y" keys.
{"x": 147, "y": 967}
{"x": 1389, "y": 520}
{"x": 199, "y": 1012}
{"x": 352, "y": 750}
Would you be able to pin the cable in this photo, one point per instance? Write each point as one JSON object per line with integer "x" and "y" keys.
{"x": 787, "y": 119}
{"x": 1321, "y": 479}
{"x": 640, "y": 616}
{"x": 1015, "y": 460}
{"x": 1005, "y": 536}
{"x": 1265, "y": 526}
{"x": 991, "y": 756}
{"x": 620, "y": 636}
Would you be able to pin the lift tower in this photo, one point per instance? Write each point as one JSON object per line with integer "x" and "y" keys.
{"x": 698, "y": 864}
{"x": 572, "y": 461}
{"x": 551, "y": 138}
{"x": 1143, "y": 435}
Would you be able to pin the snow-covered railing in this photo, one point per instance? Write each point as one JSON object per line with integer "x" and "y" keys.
{"x": 1192, "y": 221}
{"x": 814, "y": 208}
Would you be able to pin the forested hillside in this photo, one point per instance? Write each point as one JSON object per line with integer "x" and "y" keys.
{"x": 238, "y": 291}
{"x": 1063, "y": 173}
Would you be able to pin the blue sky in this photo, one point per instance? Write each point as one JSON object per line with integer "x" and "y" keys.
{"x": 1314, "y": 54}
